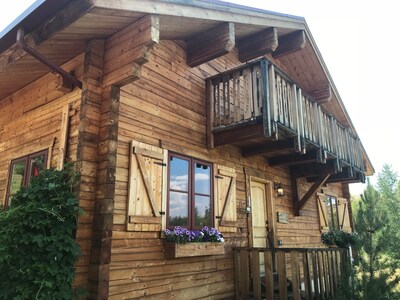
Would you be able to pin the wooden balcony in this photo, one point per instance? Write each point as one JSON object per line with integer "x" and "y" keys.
{"x": 262, "y": 273}
{"x": 261, "y": 110}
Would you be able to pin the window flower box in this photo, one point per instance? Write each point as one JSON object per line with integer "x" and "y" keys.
{"x": 181, "y": 242}
{"x": 174, "y": 250}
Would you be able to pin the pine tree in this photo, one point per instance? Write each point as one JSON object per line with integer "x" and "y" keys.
{"x": 374, "y": 267}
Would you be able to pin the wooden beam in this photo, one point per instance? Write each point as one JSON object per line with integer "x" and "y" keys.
{"x": 258, "y": 44}
{"x": 342, "y": 177}
{"x": 324, "y": 172}
{"x": 62, "y": 20}
{"x": 293, "y": 159}
{"x": 268, "y": 148}
{"x": 313, "y": 169}
{"x": 290, "y": 43}
{"x": 211, "y": 44}
{"x": 238, "y": 135}
{"x": 321, "y": 94}
{"x": 314, "y": 188}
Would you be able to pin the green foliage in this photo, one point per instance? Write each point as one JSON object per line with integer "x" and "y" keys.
{"x": 339, "y": 238}
{"x": 37, "y": 245}
{"x": 377, "y": 259}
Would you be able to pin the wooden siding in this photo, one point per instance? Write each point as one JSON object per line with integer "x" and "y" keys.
{"x": 31, "y": 120}
{"x": 167, "y": 107}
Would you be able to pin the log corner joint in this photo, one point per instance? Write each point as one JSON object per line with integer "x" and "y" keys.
{"x": 67, "y": 77}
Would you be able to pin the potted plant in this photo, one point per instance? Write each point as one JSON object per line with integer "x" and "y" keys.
{"x": 340, "y": 238}
{"x": 181, "y": 242}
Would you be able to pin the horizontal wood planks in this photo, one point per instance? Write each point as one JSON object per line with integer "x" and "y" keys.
{"x": 167, "y": 107}
{"x": 32, "y": 120}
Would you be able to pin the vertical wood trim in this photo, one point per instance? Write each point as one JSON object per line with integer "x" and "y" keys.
{"x": 50, "y": 153}
{"x": 247, "y": 192}
{"x": 210, "y": 113}
{"x": 272, "y": 231}
{"x": 164, "y": 193}
{"x": 62, "y": 148}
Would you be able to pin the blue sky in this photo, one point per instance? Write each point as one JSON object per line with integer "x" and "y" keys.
{"x": 359, "y": 45}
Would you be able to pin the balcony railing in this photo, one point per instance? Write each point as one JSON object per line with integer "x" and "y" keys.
{"x": 261, "y": 92}
{"x": 262, "y": 273}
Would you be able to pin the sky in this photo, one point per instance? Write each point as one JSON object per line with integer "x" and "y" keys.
{"x": 359, "y": 43}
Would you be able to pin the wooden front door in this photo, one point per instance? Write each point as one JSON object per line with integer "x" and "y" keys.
{"x": 259, "y": 214}
{"x": 263, "y": 223}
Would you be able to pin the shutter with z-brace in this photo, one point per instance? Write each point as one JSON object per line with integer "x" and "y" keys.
{"x": 343, "y": 213}
{"x": 147, "y": 187}
{"x": 322, "y": 212}
{"x": 225, "y": 198}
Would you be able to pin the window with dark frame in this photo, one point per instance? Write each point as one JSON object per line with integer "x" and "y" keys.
{"x": 190, "y": 201}
{"x": 332, "y": 210}
{"x": 22, "y": 170}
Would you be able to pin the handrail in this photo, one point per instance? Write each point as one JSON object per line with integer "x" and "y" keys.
{"x": 310, "y": 273}
{"x": 250, "y": 93}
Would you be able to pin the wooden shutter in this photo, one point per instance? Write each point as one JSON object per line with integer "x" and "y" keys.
{"x": 343, "y": 213}
{"x": 147, "y": 187}
{"x": 225, "y": 198}
{"x": 322, "y": 212}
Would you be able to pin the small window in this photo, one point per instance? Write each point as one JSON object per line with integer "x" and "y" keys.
{"x": 23, "y": 169}
{"x": 190, "y": 200}
{"x": 332, "y": 212}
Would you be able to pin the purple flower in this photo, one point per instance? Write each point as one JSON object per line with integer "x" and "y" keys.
{"x": 167, "y": 231}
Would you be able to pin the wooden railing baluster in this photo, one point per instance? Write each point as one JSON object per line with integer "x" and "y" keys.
{"x": 269, "y": 276}
{"x": 282, "y": 277}
{"x": 238, "y": 273}
{"x": 294, "y": 257}
{"x": 261, "y": 92}
{"x": 255, "y": 273}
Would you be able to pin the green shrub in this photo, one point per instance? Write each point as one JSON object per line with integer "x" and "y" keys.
{"x": 37, "y": 239}
{"x": 340, "y": 238}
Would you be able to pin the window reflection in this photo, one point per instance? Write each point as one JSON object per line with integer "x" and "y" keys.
{"x": 17, "y": 177}
{"x": 202, "y": 211}
{"x": 179, "y": 174}
{"x": 190, "y": 189}
{"x": 333, "y": 220}
{"x": 23, "y": 169}
{"x": 202, "y": 175}
{"x": 37, "y": 164}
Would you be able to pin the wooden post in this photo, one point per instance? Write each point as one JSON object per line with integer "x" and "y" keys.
{"x": 269, "y": 277}
{"x": 294, "y": 257}
{"x": 282, "y": 278}
{"x": 255, "y": 273}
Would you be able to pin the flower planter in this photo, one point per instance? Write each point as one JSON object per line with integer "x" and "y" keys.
{"x": 174, "y": 250}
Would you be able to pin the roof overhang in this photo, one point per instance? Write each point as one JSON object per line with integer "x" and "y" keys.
{"x": 59, "y": 30}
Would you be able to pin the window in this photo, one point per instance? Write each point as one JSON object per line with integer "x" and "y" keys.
{"x": 189, "y": 193}
{"x": 332, "y": 212}
{"x": 23, "y": 169}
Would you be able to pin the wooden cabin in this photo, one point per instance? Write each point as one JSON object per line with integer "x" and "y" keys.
{"x": 186, "y": 113}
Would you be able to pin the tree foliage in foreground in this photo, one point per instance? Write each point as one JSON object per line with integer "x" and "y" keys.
{"x": 378, "y": 224}
{"x": 37, "y": 244}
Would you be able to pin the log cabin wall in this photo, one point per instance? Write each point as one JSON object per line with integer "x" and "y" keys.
{"x": 41, "y": 116}
{"x": 167, "y": 107}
